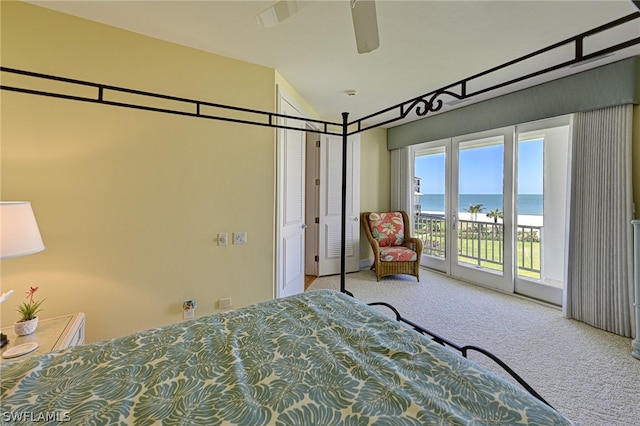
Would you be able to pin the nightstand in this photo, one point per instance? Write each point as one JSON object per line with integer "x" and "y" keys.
{"x": 52, "y": 334}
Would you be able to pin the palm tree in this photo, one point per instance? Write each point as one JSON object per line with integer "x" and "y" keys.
{"x": 495, "y": 214}
{"x": 474, "y": 209}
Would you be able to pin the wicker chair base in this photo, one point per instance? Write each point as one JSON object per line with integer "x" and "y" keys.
{"x": 384, "y": 269}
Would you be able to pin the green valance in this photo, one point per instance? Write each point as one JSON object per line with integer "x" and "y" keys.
{"x": 617, "y": 83}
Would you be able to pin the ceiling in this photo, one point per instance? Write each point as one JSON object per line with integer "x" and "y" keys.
{"x": 424, "y": 45}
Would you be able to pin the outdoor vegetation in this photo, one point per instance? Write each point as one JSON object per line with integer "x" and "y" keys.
{"x": 481, "y": 243}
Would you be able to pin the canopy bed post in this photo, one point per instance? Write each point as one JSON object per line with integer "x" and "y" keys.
{"x": 343, "y": 218}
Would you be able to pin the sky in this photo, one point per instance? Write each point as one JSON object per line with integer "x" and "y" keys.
{"x": 481, "y": 170}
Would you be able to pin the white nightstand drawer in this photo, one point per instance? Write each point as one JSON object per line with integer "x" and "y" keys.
{"x": 73, "y": 333}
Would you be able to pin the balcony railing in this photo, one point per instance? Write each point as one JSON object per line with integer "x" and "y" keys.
{"x": 481, "y": 243}
{"x": 431, "y": 230}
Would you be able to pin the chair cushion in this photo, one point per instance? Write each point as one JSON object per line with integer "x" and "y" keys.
{"x": 387, "y": 228}
{"x": 397, "y": 254}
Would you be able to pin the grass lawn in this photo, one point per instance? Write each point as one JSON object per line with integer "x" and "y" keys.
{"x": 492, "y": 256}
{"x": 490, "y": 248}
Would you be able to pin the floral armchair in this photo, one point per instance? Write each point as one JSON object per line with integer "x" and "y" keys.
{"x": 394, "y": 250}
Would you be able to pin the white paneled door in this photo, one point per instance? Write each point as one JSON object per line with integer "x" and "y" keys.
{"x": 291, "y": 203}
{"x": 330, "y": 205}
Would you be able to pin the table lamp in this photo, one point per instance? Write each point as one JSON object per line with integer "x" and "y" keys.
{"x": 19, "y": 236}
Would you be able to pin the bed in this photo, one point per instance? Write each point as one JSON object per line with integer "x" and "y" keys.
{"x": 317, "y": 358}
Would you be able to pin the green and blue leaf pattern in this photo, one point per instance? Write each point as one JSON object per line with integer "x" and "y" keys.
{"x": 319, "y": 358}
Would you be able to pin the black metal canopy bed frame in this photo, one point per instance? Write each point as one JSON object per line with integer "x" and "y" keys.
{"x": 418, "y": 107}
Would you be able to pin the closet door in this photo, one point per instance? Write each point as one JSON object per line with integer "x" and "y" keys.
{"x": 291, "y": 203}
{"x": 330, "y": 205}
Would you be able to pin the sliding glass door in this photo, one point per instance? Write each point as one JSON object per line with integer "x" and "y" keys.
{"x": 458, "y": 183}
{"x": 490, "y": 207}
{"x": 481, "y": 188}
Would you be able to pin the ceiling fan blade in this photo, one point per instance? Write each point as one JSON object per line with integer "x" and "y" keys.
{"x": 277, "y": 13}
{"x": 365, "y": 25}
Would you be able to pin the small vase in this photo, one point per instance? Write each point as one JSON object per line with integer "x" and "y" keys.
{"x": 23, "y": 328}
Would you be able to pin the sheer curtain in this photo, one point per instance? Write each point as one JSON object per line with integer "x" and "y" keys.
{"x": 402, "y": 180}
{"x": 402, "y": 173}
{"x": 599, "y": 282}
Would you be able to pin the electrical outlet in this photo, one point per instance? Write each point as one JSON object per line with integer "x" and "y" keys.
{"x": 224, "y": 303}
{"x": 223, "y": 239}
{"x": 188, "y": 309}
{"x": 239, "y": 238}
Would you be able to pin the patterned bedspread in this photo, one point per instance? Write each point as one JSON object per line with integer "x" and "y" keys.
{"x": 319, "y": 358}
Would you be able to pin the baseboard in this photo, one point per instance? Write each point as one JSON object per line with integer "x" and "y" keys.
{"x": 365, "y": 264}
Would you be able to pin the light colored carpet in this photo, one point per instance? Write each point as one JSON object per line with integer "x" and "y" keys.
{"x": 587, "y": 374}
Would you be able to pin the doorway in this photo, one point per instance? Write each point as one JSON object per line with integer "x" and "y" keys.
{"x": 309, "y": 201}
{"x": 324, "y": 204}
{"x": 290, "y": 216}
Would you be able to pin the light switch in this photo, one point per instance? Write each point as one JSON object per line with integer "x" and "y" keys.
{"x": 223, "y": 239}
{"x": 239, "y": 238}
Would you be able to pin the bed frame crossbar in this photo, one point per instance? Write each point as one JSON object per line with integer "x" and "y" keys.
{"x": 464, "y": 350}
{"x": 149, "y": 101}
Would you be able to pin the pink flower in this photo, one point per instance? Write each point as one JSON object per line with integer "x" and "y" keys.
{"x": 30, "y": 293}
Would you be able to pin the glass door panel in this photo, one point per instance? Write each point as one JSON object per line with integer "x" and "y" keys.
{"x": 481, "y": 228}
{"x": 530, "y": 206}
{"x": 541, "y": 196}
{"x": 431, "y": 201}
{"x": 480, "y": 204}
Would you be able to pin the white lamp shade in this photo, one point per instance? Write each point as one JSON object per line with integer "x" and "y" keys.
{"x": 19, "y": 233}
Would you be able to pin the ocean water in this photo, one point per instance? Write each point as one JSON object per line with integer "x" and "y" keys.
{"x": 528, "y": 204}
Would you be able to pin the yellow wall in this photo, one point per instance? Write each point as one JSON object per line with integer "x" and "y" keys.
{"x": 296, "y": 97}
{"x": 129, "y": 202}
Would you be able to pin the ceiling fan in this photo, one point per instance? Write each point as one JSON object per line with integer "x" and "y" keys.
{"x": 363, "y": 14}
